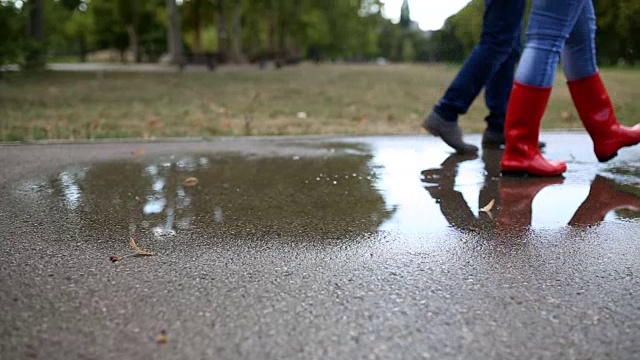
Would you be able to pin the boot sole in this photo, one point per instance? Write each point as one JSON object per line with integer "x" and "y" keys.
{"x": 521, "y": 174}
{"x": 497, "y": 146}
{"x": 607, "y": 158}
{"x": 525, "y": 174}
{"x": 458, "y": 150}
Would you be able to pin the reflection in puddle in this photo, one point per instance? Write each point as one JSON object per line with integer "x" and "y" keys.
{"x": 389, "y": 188}
{"x": 430, "y": 192}
{"x": 71, "y": 189}
{"x": 322, "y": 197}
{"x": 536, "y": 203}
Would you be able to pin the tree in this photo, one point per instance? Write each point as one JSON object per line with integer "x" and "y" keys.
{"x": 108, "y": 27}
{"x": 174, "y": 34}
{"x": 405, "y": 15}
{"x": 36, "y": 45}
{"x": 628, "y": 25}
{"x": 13, "y": 30}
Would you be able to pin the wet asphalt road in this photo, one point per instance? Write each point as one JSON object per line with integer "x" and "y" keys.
{"x": 316, "y": 248}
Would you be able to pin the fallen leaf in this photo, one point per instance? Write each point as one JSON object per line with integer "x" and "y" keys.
{"x": 137, "y": 249}
{"x": 162, "y": 338}
{"x": 489, "y": 206}
{"x": 115, "y": 258}
{"x": 191, "y": 181}
{"x": 138, "y": 152}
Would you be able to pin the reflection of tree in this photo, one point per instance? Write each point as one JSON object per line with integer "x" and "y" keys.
{"x": 110, "y": 195}
{"x": 326, "y": 197}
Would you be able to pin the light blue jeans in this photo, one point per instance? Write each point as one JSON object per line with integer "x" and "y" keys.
{"x": 559, "y": 28}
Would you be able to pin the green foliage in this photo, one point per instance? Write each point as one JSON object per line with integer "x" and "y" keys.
{"x": 12, "y": 28}
{"x": 251, "y": 29}
{"x": 468, "y": 24}
{"x": 618, "y": 24}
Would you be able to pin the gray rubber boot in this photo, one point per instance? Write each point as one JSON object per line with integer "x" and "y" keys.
{"x": 449, "y": 131}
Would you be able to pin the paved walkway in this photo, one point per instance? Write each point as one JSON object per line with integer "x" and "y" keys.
{"x": 316, "y": 248}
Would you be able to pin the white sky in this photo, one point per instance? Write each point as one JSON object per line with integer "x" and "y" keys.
{"x": 430, "y": 14}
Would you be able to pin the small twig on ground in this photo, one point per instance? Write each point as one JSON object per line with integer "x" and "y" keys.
{"x": 136, "y": 248}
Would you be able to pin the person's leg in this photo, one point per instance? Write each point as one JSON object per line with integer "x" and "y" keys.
{"x": 589, "y": 93}
{"x": 579, "y": 52}
{"x": 501, "y": 26}
{"x": 550, "y": 23}
{"x": 496, "y": 95}
{"x": 501, "y": 29}
{"x": 498, "y": 90}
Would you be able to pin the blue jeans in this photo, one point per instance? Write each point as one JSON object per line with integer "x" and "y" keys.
{"x": 559, "y": 28}
{"x": 491, "y": 65}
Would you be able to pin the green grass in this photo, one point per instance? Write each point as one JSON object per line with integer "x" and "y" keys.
{"x": 337, "y": 99}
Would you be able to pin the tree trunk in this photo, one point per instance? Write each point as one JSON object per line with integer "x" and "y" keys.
{"x": 236, "y": 39}
{"x": 134, "y": 41}
{"x": 271, "y": 33}
{"x": 35, "y": 54}
{"x": 134, "y": 37}
{"x": 82, "y": 48}
{"x": 221, "y": 26}
{"x": 176, "y": 51}
{"x": 198, "y": 26}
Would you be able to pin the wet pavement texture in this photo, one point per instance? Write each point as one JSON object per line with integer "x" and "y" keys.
{"x": 315, "y": 248}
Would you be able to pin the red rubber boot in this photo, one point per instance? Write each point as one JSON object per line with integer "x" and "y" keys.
{"x": 599, "y": 118}
{"x": 522, "y": 129}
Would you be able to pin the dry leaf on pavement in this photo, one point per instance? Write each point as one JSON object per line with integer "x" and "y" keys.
{"x": 489, "y": 206}
{"x": 137, "y": 249}
{"x": 190, "y": 181}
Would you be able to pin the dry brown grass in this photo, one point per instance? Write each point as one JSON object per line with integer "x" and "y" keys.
{"x": 336, "y": 99}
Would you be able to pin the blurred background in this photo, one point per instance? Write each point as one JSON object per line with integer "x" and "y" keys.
{"x": 159, "y": 68}
{"x": 34, "y": 31}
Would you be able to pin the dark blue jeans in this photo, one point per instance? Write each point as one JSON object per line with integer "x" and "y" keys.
{"x": 491, "y": 65}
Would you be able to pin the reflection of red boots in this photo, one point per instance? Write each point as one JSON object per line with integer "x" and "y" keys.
{"x": 598, "y": 116}
{"x": 516, "y": 196}
{"x": 603, "y": 197}
{"x": 522, "y": 128}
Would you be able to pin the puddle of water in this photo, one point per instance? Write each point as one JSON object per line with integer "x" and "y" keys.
{"x": 399, "y": 188}
{"x": 234, "y": 195}
{"x": 453, "y": 192}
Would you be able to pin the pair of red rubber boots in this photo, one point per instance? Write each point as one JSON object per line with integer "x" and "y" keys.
{"x": 524, "y": 116}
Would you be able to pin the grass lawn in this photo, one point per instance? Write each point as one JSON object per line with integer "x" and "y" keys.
{"x": 307, "y": 99}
